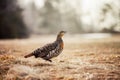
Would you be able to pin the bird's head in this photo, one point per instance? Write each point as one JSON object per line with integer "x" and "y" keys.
{"x": 61, "y": 33}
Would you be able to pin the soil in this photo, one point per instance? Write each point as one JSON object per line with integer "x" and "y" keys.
{"x": 82, "y": 59}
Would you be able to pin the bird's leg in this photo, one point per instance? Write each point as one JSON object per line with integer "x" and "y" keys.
{"x": 49, "y": 60}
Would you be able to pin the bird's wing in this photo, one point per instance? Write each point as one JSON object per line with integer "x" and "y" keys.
{"x": 54, "y": 52}
{"x": 45, "y": 50}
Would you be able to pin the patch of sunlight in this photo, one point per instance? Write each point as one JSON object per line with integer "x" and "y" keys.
{"x": 39, "y": 3}
{"x": 23, "y": 69}
{"x": 79, "y": 61}
{"x": 96, "y": 35}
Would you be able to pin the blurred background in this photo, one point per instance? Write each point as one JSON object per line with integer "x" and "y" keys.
{"x": 23, "y": 18}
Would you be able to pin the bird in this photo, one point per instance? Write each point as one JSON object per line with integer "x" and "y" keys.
{"x": 49, "y": 51}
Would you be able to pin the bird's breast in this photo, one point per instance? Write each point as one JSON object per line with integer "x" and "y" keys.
{"x": 61, "y": 45}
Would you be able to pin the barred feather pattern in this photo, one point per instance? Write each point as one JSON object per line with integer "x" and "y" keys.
{"x": 50, "y": 50}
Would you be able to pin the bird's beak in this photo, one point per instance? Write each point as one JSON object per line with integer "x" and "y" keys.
{"x": 65, "y": 32}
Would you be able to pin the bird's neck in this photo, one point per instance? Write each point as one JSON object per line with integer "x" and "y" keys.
{"x": 59, "y": 38}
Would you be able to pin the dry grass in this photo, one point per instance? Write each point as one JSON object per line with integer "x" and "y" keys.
{"x": 82, "y": 59}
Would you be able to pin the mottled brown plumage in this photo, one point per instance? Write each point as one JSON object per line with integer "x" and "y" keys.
{"x": 50, "y": 50}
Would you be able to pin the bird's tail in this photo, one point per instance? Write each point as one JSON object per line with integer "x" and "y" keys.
{"x": 28, "y": 55}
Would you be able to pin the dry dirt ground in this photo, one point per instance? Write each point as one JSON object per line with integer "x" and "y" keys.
{"x": 83, "y": 58}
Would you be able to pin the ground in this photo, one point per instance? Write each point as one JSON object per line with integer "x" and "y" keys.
{"x": 83, "y": 58}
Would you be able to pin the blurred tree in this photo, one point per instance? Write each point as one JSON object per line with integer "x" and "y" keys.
{"x": 50, "y": 17}
{"x": 11, "y": 24}
{"x": 58, "y": 15}
{"x": 109, "y": 10}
